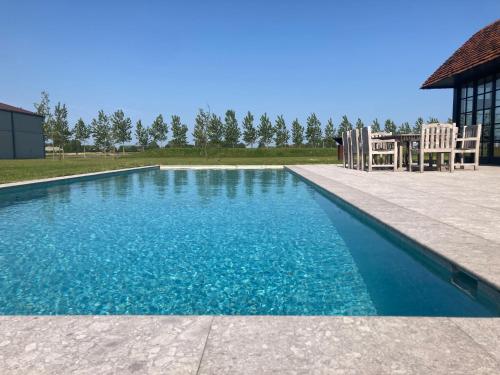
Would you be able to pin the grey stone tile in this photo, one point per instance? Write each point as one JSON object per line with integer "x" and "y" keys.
{"x": 342, "y": 345}
{"x": 102, "y": 344}
{"x": 485, "y": 332}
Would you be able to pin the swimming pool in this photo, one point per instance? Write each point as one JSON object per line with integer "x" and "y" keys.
{"x": 208, "y": 242}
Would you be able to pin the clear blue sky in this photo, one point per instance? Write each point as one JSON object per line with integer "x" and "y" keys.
{"x": 364, "y": 59}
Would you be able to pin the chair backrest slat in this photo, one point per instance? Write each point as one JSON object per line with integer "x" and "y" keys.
{"x": 474, "y": 132}
{"x": 436, "y": 136}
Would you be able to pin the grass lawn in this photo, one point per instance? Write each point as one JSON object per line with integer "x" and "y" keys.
{"x": 19, "y": 170}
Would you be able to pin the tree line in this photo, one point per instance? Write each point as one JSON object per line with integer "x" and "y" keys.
{"x": 110, "y": 130}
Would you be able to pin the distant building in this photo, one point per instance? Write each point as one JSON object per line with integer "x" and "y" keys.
{"x": 473, "y": 72}
{"x": 21, "y": 134}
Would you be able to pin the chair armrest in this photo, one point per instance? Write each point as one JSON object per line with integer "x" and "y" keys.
{"x": 467, "y": 139}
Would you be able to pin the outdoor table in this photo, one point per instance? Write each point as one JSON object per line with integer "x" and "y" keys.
{"x": 401, "y": 139}
{"x": 340, "y": 148}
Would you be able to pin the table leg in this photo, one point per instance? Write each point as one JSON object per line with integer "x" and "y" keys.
{"x": 410, "y": 156}
{"x": 400, "y": 156}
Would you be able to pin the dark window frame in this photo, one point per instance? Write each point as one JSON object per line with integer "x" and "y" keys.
{"x": 490, "y": 139}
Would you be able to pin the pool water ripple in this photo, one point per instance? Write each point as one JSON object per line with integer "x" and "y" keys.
{"x": 204, "y": 242}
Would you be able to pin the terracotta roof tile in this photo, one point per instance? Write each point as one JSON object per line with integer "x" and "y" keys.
{"x": 482, "y": 47}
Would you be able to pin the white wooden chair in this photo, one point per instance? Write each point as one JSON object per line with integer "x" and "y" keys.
{"x": 346, "y": 148}
{"x": 468, "y": 143}
{"x": 440, "y": 139}
{"x": 373, "y": 146}
{"x": 356, "y": 149}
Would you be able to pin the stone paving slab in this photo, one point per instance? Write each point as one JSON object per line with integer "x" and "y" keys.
{"x": 454, "y": 226}
{"x": 345, "y": 345}
{"x": 247, "y": 345}
{"x": 102, "y": 344}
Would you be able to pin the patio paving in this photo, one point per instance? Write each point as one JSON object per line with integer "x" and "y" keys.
{"x": 248, "y": 345}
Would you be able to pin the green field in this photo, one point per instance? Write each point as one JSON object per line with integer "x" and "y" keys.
{"x": 19, "y": 170}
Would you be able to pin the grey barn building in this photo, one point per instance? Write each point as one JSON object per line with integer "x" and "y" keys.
{"x": 21, "y": 134}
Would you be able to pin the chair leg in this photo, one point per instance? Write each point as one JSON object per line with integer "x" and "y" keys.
{"x": 395, "y": 158}
{"x": 370, "y": 162}
{"x": 410, "y": 157}
{"x": 400, "y": 156}
{"x": 421, "y": 161}
{"x": 452, "y": 161}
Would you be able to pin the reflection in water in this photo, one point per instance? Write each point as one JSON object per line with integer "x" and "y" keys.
{"x": 160, "y": 180}
{"x": 215, "y": 180}
{"x": 202, "y": 185}
{"x": 266, "y": 179}
{"x": 122, "y": 184}
{"x": 232, "y": 178}
{"x": 295, "y": 180}
{"x": 58, "y": 195}
{"x": 281, "y": 182}
{"x": 180, "y": 181}
{"x": 104, "y": 186}
{"x": 249, "y": 178}
{"x": 141, "y": 177}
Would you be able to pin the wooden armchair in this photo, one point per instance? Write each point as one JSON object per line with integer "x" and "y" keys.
{"x": 468, "y": 143}
{"x": 346, "y": 148}
{"x": 440, "y": 139}
{"x": 376, "y": 150}
{"x": 356, "y": 149}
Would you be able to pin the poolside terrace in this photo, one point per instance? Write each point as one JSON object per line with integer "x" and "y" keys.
{"x": 455, "y": 216}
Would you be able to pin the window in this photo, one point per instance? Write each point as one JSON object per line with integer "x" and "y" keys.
{"x": 496, "y": 129}
{"x": 480, "y": 104}
{"x": 466, "y": 104}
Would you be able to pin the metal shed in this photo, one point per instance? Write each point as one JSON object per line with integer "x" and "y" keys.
{"x": 21, "y": 133}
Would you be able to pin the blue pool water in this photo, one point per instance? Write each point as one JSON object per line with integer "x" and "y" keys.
{"x": 206, "y": 242}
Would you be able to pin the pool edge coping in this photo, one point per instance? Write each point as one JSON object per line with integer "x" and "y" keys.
{"x": 110, "y": 172}
{"x": 74, "y": 177}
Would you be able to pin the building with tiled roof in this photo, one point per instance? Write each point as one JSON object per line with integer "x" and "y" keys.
{"x": 473, "y": 72}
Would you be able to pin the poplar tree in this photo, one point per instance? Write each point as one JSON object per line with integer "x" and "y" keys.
{"x": 281, "y": 134}
{"x": 405, "y": 128}
{"x": 265, "y": 131}
{"x": 249, "y": 130}
{"x": 345, "y": 125}
{"x": 202, "y": 121}
{"x": 390, "y": 126}
{"x": 142, "y": 134}
{"x": 101, "y": 131}
{"x": 60, "y": 128}
{"x": 81, "y": 132}
{"x": 231, "y": 130}
{"x": 159, "y": 130}
{"x": 297, "y": 133}
{"x": 43, "y": 109}
{"x": 121, "y": 128}
{"x": 432, "y": 120}
{"x": 179, "y": 132}
{"x": 418, "y": 125}
{"x": 375, "y": 126}
{"x": 215, "y": 130}
{"x": 359, "y": 124}
{"x": 329, "y": 139}
{"x": 313, "y": 130}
